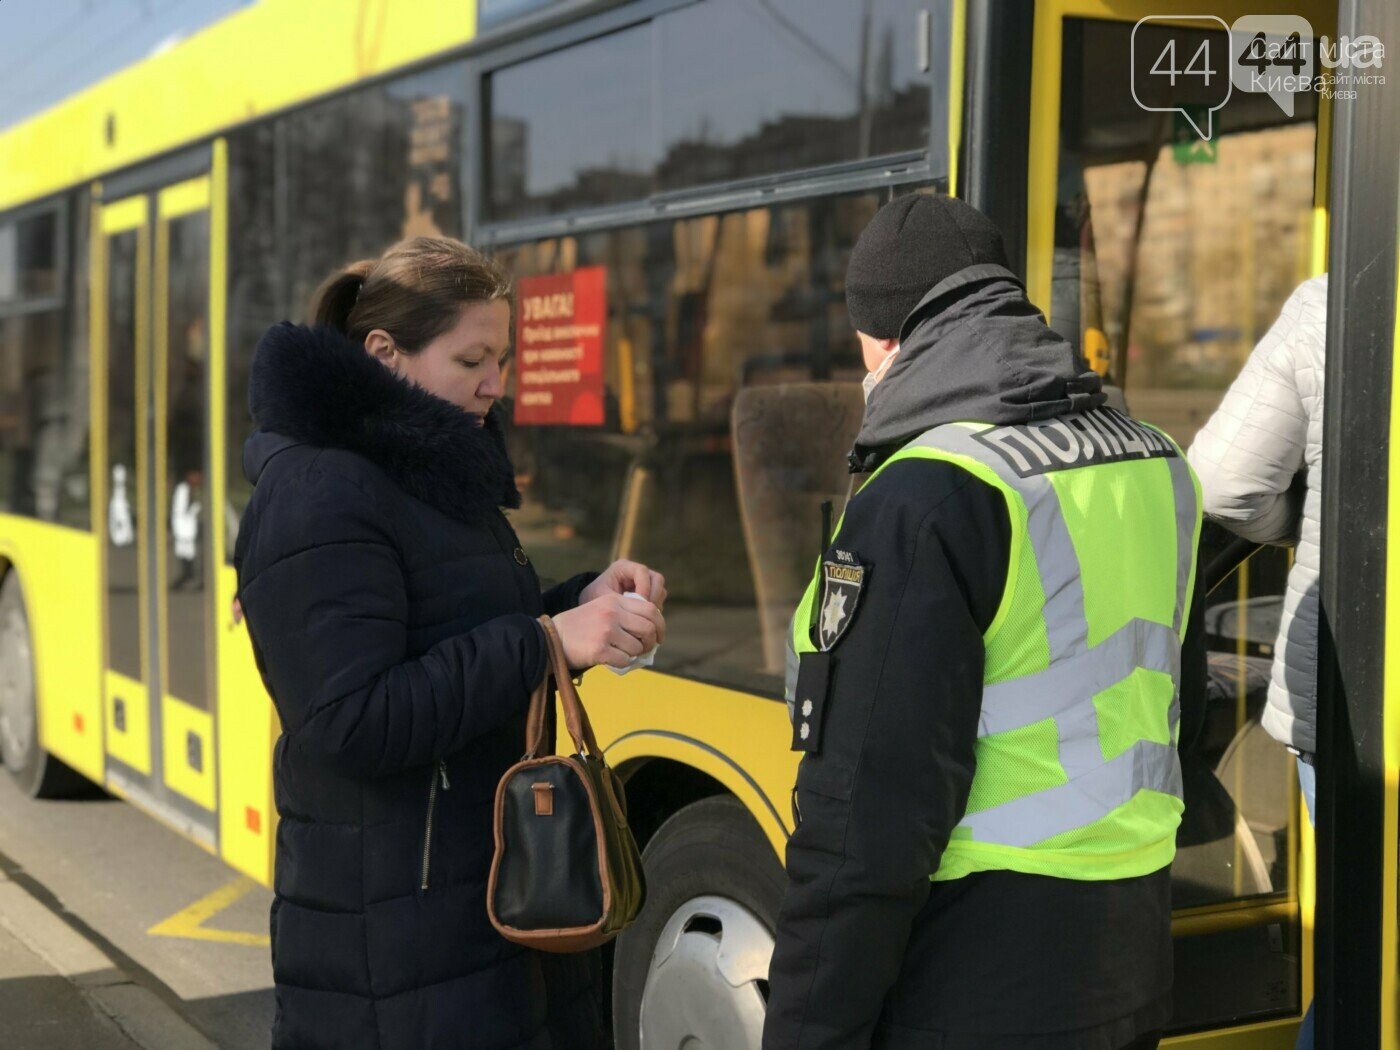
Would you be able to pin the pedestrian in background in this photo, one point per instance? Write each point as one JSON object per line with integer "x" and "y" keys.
{"x": 392, "y": 612}
{"x": 989, "y": 656}
{"x": 1260, "y": 463}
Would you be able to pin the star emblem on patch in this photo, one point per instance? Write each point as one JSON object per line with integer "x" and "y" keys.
{"x": 843, "y": 577}
{"x": 833, "y": 614}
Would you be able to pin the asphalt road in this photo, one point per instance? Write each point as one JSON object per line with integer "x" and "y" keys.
{"x": 114, "y": 874}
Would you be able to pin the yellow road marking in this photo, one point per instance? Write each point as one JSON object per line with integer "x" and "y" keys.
{"x": 189, "y": 922}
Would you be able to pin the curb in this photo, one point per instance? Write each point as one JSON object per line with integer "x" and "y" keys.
{"x": 139, "y": 1013}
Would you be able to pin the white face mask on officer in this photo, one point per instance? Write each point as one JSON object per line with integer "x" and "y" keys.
{"x": 872, "y": 378}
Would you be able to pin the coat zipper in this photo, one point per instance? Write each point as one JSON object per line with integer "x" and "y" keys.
{"x": 440, "y": 773}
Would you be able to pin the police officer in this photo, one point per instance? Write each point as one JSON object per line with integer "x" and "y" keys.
{"x": 987, "y": 692}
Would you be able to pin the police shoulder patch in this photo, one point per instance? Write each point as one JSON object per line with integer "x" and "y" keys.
{"x": 843, "y": 577}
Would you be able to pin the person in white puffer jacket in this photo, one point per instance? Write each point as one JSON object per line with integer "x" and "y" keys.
{"x": 1266, "y": 430}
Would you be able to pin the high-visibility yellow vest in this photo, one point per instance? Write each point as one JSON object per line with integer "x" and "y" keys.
{"x": 1077, "y": 771}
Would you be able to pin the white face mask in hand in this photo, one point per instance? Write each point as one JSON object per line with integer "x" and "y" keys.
{"x": 871, "y": 378}
{"x": 646, "y": 659}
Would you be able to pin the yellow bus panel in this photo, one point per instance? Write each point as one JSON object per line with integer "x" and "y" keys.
{"x": 247, "y": 729}
{"x": 183, "y": 198}
{"x": 260, "y": 59}
{"x": 129, "y": 214}
{"x": 57, "y": 568}
{"x": 128, "y": 730}
{"x": 734, "y": 737}
{"x": 1390, "y": 927}
{"x": 188, "y": 763}
{"x": 246, "y": 723}
{"x": 1266, "y": 1035}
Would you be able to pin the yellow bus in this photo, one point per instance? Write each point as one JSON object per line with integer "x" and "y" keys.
{"x": 694, "y": 173}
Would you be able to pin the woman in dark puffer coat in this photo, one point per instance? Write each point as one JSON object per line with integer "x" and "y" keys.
{"x": 392, "y": 613}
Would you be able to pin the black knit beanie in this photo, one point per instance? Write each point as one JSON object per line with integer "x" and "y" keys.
{"x": 912, "y": 244}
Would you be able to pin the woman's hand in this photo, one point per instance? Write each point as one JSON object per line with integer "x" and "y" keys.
{"x": 623, "y": 576}
{"x": 609, "y": 630}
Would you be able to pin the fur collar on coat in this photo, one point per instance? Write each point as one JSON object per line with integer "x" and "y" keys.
{"x": 317, "y": 387}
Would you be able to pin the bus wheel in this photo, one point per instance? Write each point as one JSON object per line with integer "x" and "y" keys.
{"x": 692, "y": 971}
{"x": 37, "y": 772}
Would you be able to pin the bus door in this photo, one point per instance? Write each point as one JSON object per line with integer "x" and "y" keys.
{"x": 1164, "y": 255}
{"x": 151, "y": 392}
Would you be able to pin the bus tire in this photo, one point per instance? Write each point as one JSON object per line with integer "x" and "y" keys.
{"x": 712, "y": 881}
{"x": 38, "y": 773}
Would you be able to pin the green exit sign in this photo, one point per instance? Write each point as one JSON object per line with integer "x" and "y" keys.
{"x": 1187, "y": 146}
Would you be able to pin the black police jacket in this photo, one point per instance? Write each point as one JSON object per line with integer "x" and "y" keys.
{"x": 391, "y": 611}
{"x": 869, "y": 952}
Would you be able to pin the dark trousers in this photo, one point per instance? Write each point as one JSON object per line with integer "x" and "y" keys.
{"x": 1145, "y": 1042}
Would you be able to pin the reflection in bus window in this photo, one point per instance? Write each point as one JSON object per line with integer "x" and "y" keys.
{"x": 554, "y": 147}
{"x": 126, "y": 644}
{"x": 36, "y": 244}
{"x": 1179, "y": 256}
{"x": 324, "y": 186}
{"x": 9, "y": 271}
{"x": 184, "y": 603}
{"x": 703, "y": 316}
{"x": 29, "y": 258}
{"x": 43, "y": 378}
{"x": 1171, "y": 258}
{"x": 805, "y": 84}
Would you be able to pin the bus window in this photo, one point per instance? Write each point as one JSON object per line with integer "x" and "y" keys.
{"x": 126, "y": 642}
{"x": 9, "y": 263}
{"x": 807, "y": 84}
{"x": 256, "y": 298}
{"x": 846, "y": 85}
{"x": 186, "y": 380}
{"x": 43, "y": 378}
{"x": 1176, "y": 254}
{"x": 322, "y": 187}
{"x": 545, "y": 155}
{"x": 701, "y": 314}
{"x": 1171, "y": 257}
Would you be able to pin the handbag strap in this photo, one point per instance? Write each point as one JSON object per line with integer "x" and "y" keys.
{"x": 575, "y": 717}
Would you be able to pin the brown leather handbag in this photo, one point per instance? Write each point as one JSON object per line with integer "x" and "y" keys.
{"x": 567, "y": 874}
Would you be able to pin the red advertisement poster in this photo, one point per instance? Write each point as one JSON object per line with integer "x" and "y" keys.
{"x": 559, "y": 323}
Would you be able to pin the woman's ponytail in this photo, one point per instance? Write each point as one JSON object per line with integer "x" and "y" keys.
{"x": 415, "y": 291}
{"x": 333, "y": 301}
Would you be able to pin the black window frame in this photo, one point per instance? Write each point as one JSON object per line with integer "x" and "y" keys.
{"x": 58, "y": 204}
{"x": 888, "y": 172}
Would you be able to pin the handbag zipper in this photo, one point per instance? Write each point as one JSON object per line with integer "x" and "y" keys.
{"x": 440, "y": 773}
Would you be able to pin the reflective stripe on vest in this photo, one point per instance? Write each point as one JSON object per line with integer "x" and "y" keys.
{"x": 1108, "y": 817}
{"x": 1064, "y": 691}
